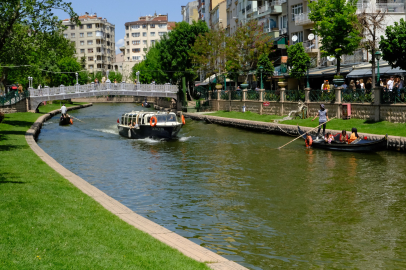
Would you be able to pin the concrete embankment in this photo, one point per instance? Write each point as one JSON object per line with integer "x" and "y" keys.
{"x": 394, "y": 142}
{"x": 185, "y": 246}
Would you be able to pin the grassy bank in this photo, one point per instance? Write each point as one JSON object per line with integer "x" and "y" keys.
{"x": 363, "y": 126}
{"x": 46, "y": 222}
{"x": 50, "y": 107}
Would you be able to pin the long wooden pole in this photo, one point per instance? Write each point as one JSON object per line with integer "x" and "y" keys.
{"x": 306, "y": 132}
{"x": 76, "y": 118}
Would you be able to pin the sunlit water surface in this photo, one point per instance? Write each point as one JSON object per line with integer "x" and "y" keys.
{"x": 230, "y": 191}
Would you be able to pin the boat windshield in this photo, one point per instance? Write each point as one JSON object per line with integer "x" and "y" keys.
{"x": 162, "y": 118}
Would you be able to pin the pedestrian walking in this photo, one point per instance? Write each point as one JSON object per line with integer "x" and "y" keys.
{"x": 323, "y": 118}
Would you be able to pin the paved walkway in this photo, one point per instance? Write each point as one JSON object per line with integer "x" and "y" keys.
{"x": 187, "y": 247}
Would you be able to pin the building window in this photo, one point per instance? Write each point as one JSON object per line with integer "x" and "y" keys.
{"x": 82, "y": 35}
{"x": 283, "y": 22}
{"x": 127, "y": 35}
{"x": 82, "y": 43}
{"x": 161, "y": 33}
{"x": 299, "y": 36}
{"x": 65, "y": 35}
{"x": 126, "y": 28}
{"x": 90, "y": 34}
{"x": 72, "y": 35}
{"x": 108, "y": 43}
{"x": 90, "y": 58}
{"x": 162, "y": 25}
{"x": 136, "y": 57}
{"x": 145, "y": 58}
{"x": 136, "y": 42}
{"x": 152, "y": 34}
{"x": 108, "y": 59}
{"x": 98, "y": 65}
{"x": 108, "y": 50}
{"x": 128, "y": 50}
{"x": 152, "y": 25}
{"x": 144, "y": 34}
{"x": 90, "y": 66}
{"x": 108, "y": 35}
{"x": 296, "y": 9}
{"x": 128, "y": 43}
{"x": 135, "y": 26}
{"x": 144, "y": 26}
{"x": 136, "y": 34}
{"x": 152, "y": 42}
{"x": 90, "y": 42}
{"x": 90, "y": 50}
{"x": 89, "y": 26}
{"x": 82, "y": 50}
{"x": 81, "y": 26}
{"x": 136, "y": 50}
{"x": 145, "y": 49}
{"x": 144, "y": 42}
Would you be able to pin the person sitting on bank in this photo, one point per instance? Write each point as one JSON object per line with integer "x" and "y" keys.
{"x": 63, "y": 111}
{"x": 354, "y": 135}
{"x": 343, "y": 137}
{"x": 323, "y": 118}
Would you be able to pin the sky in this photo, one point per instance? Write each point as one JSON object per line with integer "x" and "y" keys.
{"x": 121, "y": 11}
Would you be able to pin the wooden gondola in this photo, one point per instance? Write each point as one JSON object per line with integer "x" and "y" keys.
{"x": 361, "y": 145}
{"x": 63, "y": 121}
{"x": 159, "y": 125}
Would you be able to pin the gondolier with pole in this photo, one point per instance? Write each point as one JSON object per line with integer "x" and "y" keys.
{"x": 64, "y": 110}
{"x": 323, "y": 118}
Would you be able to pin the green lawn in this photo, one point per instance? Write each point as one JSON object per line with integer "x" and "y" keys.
{"x": 246, "y": 116}
{"x": 363, "y": 126}
{"x": 47, "y": 223}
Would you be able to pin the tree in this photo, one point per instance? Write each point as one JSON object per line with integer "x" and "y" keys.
{"x": 298, "y": 58}
{"x": 336, "y": 23}
{"x": 69, "y": 66}
{"x": 370, "y": 22}
{"x": 393, "y": 47}
{"x": 36, "y": 14}
{"x": 246, "y": 46}
{"x": 266, "y": 64}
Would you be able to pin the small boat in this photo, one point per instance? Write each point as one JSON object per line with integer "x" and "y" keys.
{"x": 360, "y": 145}
{"x": 141, "y": 125}
{"x": 145, "y": 104}
{"x": 63, "y": 121}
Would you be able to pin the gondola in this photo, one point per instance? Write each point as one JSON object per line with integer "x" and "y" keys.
{"x": 63, "y": 121}
{"x": 361, "y": 145}
{"x": 141, "y": 125}
{"x": 146, "y": 104}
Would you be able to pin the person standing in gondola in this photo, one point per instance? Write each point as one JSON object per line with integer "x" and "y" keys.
{"x": 63, "y": 110}
{"x": 323, "y": 118}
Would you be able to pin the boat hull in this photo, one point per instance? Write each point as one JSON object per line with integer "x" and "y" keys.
{"x": 159, "y": 132}
{"x": 361, "y": 146}
{"x": 64, "y": 121}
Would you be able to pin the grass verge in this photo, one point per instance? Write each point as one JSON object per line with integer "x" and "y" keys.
{"x": 363, "y": 126}
{"x": 46, "y": 222}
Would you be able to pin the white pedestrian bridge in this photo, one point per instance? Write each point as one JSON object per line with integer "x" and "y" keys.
{"x": 103, "y": 89}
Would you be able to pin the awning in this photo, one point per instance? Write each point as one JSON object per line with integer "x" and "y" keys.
{"x": 367, "y": 72}
{"x": 327, "y": 71}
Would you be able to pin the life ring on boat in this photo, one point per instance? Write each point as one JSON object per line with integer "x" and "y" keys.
{"x": 71, "y": 121}
{"x": 183, "y": 120}
{"x": 153, "y": 121}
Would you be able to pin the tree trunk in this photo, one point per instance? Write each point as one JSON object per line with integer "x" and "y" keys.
{"x": 338, "y": 64}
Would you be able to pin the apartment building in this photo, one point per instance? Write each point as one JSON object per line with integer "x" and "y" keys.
{"x": 218, "y": 16}
{"x": 142, "y": 34}
{"x": 94, "y": 39}
{"x": 190, "y": 12}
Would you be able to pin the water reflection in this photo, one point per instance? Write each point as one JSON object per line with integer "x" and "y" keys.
{"x": 231, "y": 191}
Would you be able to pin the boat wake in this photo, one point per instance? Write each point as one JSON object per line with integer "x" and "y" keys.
{"x": 110, "y": 131}
{"x": 184, "y": 139}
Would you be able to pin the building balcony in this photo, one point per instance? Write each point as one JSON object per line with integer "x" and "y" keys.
{"x": 381, "y": 7}
{"x": 312, "y": 46}
{"x": 302, "y": 19}
{"x": 272, "y": 32}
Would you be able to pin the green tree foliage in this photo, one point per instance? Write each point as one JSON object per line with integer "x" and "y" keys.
{"x": 36, "y": 14}
{"x": 393, "y": 46}
{"x": 245, "y": 47}
{"x": 336, "y": 23}
{"x": 71, "y": 65}
{"x": 115, "y": 76}
{"x": 268, "y": 68}
{"x": 297, "y": 58}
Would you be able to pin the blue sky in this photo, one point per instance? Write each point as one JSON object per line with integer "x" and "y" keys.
{"x": 121, "y": 11}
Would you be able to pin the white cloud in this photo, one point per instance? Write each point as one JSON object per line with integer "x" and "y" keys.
{"x": 119, "y": 43}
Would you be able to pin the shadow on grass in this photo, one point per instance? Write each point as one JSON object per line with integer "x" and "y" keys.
{"x": 10, "y": 147}
{"x": 5, "y": 179}
{"x": 368, "y": 121}
{"x": 18, "y": 123}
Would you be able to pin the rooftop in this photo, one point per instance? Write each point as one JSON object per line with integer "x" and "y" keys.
{"x": 149, "y": 19}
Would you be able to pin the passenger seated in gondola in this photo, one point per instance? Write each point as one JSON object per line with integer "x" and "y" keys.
{"x": 329, "y": 138}
{"x": 354, "y": 135}
{"x": 343, "y": 137}
{"x": 308, "y": 141}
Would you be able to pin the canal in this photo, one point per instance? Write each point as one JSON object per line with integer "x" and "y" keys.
{"x": 230, "y": 191}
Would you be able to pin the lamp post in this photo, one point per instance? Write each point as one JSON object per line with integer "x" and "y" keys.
{"x": 378, "y": 55}
{"x": 76, "y": 78}
{"x": 308, "y": 67}
{"x": 261, "y": 68}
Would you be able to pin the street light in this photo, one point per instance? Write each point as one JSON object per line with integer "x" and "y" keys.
{"x": 308, "y": 67}
{"x": 378, "y": 56}
{"x": 76, "y": 78}
{"x": 261, "y": 68}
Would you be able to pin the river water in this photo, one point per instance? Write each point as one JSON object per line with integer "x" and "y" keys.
{"x": 232, "y": 192}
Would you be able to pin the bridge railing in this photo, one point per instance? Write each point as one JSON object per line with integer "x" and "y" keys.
{"x": 61, "y": 90}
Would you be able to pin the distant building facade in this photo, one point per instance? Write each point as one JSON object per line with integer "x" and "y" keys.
{"x": 94, "y": 39}
{"x": 190, "y": 12}
{"x": 142, "y": 34}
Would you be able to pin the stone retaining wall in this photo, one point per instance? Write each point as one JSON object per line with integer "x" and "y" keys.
{"x": 394, "y": 142}
{"x": 21, "y": 106}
